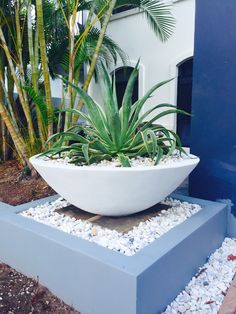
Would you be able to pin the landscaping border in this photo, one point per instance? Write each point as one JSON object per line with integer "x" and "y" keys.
{"x": 96, "y": 280}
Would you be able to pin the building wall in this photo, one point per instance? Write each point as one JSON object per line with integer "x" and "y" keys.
{"x": 214, "y": 95}
{"x": 158, "y": 60}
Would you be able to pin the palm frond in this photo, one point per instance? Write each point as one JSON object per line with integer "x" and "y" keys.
{"x": 158, "y": 15}
{"x": 39, "y": 102}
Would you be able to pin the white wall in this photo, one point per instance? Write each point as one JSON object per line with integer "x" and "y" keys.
{"x": 158, "y": 60}
{"x": 56, "y": 88}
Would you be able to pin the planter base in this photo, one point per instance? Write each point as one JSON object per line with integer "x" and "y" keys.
{"x": 97, "y": 280}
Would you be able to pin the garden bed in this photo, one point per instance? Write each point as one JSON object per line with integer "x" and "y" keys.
{"x": 95, "y": 279}
{"x": 17, "y": 188}
{"x": 19, "y": 294}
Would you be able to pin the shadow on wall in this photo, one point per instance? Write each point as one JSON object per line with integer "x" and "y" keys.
{"x": 183, "y": 188}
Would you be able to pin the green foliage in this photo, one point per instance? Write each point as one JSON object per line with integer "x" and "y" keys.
{"x": 29, "y": 116}
{"x": 38, "y": 100}
{"x": 111, "y": 132}
{"x": 109, "y": 53}
{"x": 158, "y": 15}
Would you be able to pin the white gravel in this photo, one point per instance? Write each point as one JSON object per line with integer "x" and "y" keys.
{"x": 128, "y": 243}
{"x": 114, "y": 163}
{"x": 205, "y": 292}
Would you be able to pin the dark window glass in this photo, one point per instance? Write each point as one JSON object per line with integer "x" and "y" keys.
{"x": 122, "y": 9}
{"x": 184, "y": 100}
{"x": 122, "y": 76}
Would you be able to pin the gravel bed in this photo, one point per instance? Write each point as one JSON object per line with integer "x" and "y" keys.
{"x": 206, "y": 291}
{"x": 127, "y": 243}
{"x": 114, "y": 163}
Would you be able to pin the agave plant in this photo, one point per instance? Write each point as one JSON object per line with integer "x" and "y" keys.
{"x": 111, "y": 132}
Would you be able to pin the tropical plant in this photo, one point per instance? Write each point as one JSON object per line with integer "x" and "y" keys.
{"x": 38, "y": 37}
{"x": 157, "y": 13}
{"x": 12, "y": 66}
{"x": 117, "y": 133}
{"x": 28, "y": 37}
{"x": 74, "y": 46}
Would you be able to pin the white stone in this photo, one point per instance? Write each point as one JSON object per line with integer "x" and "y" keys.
{"x": 129, "y": 243}
{"x": 218, "y": 275}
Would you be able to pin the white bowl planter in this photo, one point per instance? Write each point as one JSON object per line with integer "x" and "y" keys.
{"x": 114, "y": 191}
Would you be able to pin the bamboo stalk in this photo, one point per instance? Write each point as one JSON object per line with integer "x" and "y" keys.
{"x": 20, "y": 67}
{"x": 43, "y": 54}
{"x": 61, "y": 107}
{"x": 10, "y": 113}
{"x": 25, "y": 105}
{"x": 96, "y": 53}
{"x": 4, "y": 94}
{"x": 10, "y": 90}
{"x": 3, "y": 126}
{"x": 68, "y": 116}
{"x": 36, "y": 55}
{"x": 17, "y": 139}
{"x": 34, "y": 70}
{"x": 4, "y": 141}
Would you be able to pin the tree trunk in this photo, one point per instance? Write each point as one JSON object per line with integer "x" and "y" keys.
{"x": 17, "y": 139}
{"x": 4, "y": 141}
{"x": 4, "y": 95}
{"x": 96, "y": 52}
{"x": 44, "y": 60}
{"x": 10, "y": 90}
{"x": 68, "y": 116}
{"x": 20, "y": 67}
{"x": 34, "y": 70}
{"x": 24, "y": 104}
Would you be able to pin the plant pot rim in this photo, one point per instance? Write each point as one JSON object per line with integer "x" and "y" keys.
{"x": 192, "y": 160}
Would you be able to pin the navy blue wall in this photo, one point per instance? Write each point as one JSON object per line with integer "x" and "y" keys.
{"x": 214, "y": 101}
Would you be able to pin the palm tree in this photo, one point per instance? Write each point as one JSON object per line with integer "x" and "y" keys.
{"x": 32, "y": 45}
{"x": 17, "y": 50}
{"x": 73, "y": 45}
{"x": 157, "y": 13}
{"x": 44, "y": 60}
{"x": 26, "y": 26}
{"x": 11, "y": 65}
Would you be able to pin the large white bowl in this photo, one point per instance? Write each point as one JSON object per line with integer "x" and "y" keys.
{"x": 114, "y": 191}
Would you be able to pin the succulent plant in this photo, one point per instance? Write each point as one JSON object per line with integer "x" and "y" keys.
{"x": 111, "y": 132}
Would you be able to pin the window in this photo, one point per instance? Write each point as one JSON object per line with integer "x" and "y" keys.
{"x": 184, "y": 100}
{"x": 122, "y": 76}
{"x": 122, "y": 9}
